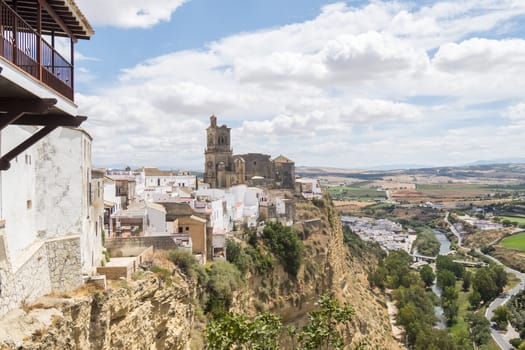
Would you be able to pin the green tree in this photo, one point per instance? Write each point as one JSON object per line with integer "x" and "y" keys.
{"x": 449, "y": 302}
{"x": 322, "y": 328}
{"x": 239, "y": 332}
{"x": 427, "y": 275}
{"x": 224, "y": 279}
{"x": 188, "y": 265}
{"x": 484, "y": 284}
{"x": 474, "y": 299}
{"x": 434, "y": 339}
{"x": 416, "y": 310}
{"x": 237, "y": 255}
{"x": 445, "y": 278}
{"x": 286, "y": 245}
{"x": 397, "y": 265}
{"x": 500, "y": 277}
{"x": 445, "y": 262}
{"x": 467, "y": 281}
{"x": 501, "y": 316}
{"x": 479, "y": 328}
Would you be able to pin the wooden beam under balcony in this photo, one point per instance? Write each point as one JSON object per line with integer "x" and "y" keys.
{"x": 15, "y": 108}
{"x": 32, "y": 111}
{"x": 49, "y": 121}
{"x": 5, "y": 160}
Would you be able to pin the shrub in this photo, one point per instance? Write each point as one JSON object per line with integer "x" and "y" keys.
{"x": 515, "y": 342}
{"x": 286, "y": 245}
{"x": 188, "y": 265}
{"x": 163, "y": 274}
{"x": 261, "y": 263}
{"x": 224, "y": 279}
{"x": 237, "y": 256}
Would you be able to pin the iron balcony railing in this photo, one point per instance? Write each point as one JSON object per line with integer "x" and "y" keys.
{"x": 22, "y": 45}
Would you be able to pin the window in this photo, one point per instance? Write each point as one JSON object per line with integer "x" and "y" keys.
{"x": 29, "y": 204}
{"x": 180, "y": 229}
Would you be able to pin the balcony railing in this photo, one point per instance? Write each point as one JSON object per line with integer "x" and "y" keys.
{"x": 24, "y": 47}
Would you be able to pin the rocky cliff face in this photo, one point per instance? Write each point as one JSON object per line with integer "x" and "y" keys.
{"x": 149, "y": 314}
{"x": 144, "y": 314}
{"x": 349, "y": 282}
{"x": 328, "y": 267}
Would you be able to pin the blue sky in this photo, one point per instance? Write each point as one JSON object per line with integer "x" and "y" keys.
{"x": 351, "y": 84}
{"x": 192, "y": 26}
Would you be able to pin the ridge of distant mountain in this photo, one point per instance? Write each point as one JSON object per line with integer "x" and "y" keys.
{"x": 498, "y": 161}
{"x": 402, "y": 167}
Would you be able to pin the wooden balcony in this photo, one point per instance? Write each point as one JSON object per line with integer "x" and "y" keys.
{"x": 25, "y": 47}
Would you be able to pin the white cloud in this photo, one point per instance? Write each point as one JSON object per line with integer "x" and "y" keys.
{"x": 128, "y": 13}
{"x": 346, "y": 86}
{"x": 481, "y": 55}
{"x": 371, "y": 55}
{"x": 516, "y": 112}
{"x": 81, "y": 57}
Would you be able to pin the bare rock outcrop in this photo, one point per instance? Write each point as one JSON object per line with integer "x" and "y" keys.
{"x": 143, "y": 314}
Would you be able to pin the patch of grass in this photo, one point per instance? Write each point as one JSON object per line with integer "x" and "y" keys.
{"x": 516, "y": 219}
{"x": 516, "y": 241}
{"x": 344, "y": 192}
{"x": 461, "y": 326}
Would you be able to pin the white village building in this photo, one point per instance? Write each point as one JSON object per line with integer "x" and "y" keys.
{"x": 50, "y": 224}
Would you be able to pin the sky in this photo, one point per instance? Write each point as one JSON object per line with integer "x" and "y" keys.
{"x": 351, "y": 84}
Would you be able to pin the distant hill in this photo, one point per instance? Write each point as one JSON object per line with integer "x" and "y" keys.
{"x": 498, "y": 161}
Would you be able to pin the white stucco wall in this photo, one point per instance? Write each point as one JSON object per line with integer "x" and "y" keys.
{"x": 91, "y": 240}
{"x": 110, "y": 194}
{"x": 64, "y": 201}
{"x": 17, "y": 192}
{"x": 185, "y": 181}
{"x": 156, "y": 221}
{"x": 155, "y": 181}
{"x": 62, "y": 177}
{"x": 217, "y": 215}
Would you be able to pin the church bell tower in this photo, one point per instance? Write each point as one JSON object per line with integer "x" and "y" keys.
{"x": 218, "y": 156}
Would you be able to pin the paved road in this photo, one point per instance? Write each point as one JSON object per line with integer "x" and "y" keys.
{"x": 498, "y": 337}
{"x": 453, "y": 229}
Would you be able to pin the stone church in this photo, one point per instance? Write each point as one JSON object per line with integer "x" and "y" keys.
{"x": 223, "y": 169}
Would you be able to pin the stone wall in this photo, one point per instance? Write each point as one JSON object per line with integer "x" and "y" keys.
{"x": 63, "y": 256}
{"x": 127, "y": 267}
{"x": 8, "y": 296}
{"x": 132, "y": 246}
{"x": 45, "y": 267}
{"x": 116, "y": 272}
{"x": 32, "y": 278}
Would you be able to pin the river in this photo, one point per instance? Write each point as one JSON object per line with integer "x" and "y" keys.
{"x": 444, "y": 248}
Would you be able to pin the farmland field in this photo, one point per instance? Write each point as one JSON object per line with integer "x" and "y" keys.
{"x": 453, "y": 187}
{"x": 359, "y": 193}
{"x": 517, "y": 219}
{"x": 514, "y": 242}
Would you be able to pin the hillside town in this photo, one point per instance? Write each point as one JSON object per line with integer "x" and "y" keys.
{"x": 247, "y": 250}
{"x": 390, "y": 235}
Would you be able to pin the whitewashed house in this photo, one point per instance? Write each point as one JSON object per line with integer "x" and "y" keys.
{"x": 139, "y": 219}
{"x": 309, "y": 188}
{"x": 48, "y": 235}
